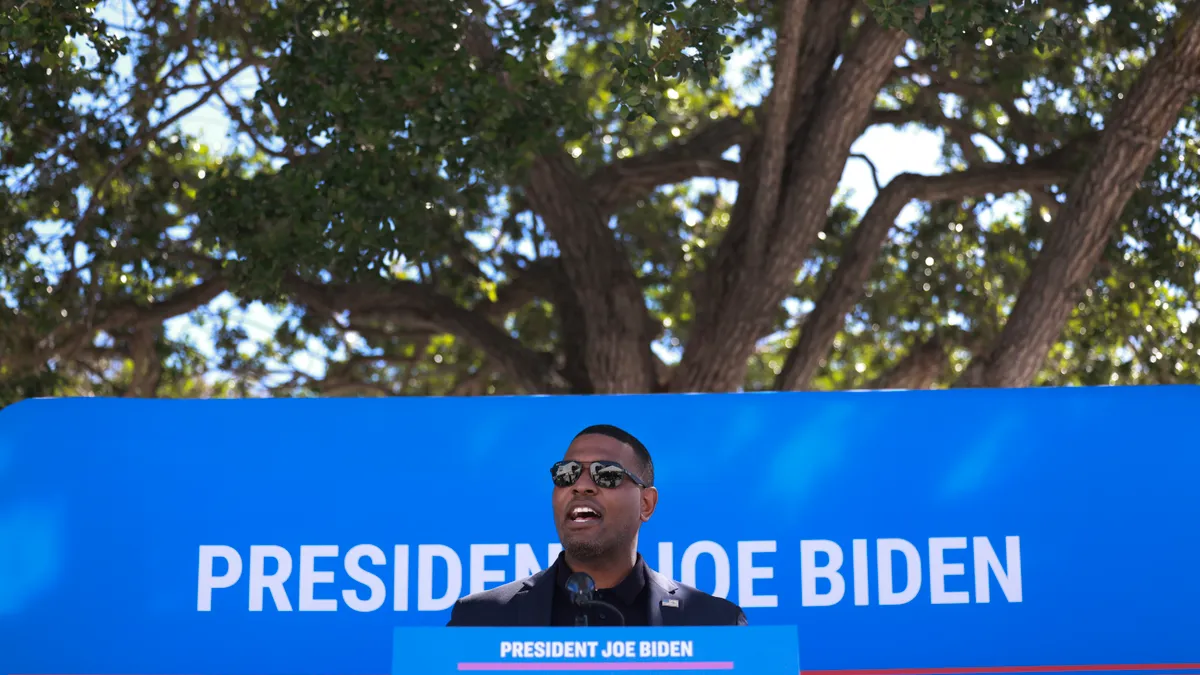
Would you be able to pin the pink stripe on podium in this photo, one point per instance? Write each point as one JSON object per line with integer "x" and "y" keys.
{"x": 1160, "y": 668}
{"x": 511, "y": 667}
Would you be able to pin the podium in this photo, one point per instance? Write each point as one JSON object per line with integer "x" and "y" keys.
{"x": 762, "y": 650}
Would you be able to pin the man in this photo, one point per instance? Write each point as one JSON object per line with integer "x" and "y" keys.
{"x": 603, "y": 492}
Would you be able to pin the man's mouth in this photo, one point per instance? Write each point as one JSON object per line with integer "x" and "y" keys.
{"x": 583, "y": 514}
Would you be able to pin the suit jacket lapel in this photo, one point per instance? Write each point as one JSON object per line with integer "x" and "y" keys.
{"x": 535, "y": 601}
{"x": 666, "y": 604}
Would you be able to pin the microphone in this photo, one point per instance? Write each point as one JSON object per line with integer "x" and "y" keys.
{"x": 582, "y": 588}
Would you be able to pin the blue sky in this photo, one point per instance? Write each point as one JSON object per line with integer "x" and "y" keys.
{"x": 892, "y": 151}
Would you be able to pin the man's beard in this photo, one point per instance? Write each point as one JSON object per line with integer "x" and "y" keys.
{"x": 589, "y": 549}
{"x": 597, "y": 548}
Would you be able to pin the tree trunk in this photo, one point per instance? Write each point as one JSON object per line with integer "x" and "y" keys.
{"x": 918, "y": 370}
{"x": 1132, "y": 135}
{"x": 147, "y": 364}
{"x": 616, "y": 349}
{"x": 754, "y": 270}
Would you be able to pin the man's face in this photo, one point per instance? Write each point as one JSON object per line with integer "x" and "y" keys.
{"x": 595, "y": 522}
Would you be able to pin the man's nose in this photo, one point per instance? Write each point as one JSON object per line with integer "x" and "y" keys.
{"x": 585, "y": 484}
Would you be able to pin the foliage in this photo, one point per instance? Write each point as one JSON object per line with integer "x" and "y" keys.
{"x": 380, "y": 201}
{"x": 1012, "y": 27}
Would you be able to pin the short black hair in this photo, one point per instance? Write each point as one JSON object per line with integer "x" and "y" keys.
{"x": 629, "y": 439}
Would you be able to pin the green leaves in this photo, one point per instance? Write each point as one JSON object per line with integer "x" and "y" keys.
{"x": 382, "y": 142}
{"x": 1001, "y": 25}
{"x": 407, "y": 82}
{"x": 670, "y": 42}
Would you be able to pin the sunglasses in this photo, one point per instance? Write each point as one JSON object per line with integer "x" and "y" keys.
{"x": 604, "y": 474}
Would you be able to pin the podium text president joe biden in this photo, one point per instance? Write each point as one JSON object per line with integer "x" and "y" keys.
{"x": 603, "y": 491}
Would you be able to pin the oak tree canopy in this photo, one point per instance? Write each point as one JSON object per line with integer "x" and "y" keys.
{"x": 536, "y": 196}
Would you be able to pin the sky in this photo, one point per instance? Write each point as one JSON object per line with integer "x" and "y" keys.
{"x": 892, "y": 151}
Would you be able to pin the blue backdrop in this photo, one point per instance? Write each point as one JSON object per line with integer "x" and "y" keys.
{"x": 1041, "y": 529}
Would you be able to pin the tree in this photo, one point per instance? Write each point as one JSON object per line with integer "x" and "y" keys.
{"x": 470, "y": 197}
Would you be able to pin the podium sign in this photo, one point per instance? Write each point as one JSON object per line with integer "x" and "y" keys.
{"x": 763, "y": 650}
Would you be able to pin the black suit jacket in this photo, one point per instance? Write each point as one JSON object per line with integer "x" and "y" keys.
{"x": 528, "y": 602}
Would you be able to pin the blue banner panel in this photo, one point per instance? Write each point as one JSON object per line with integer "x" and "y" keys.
{"x": 762, "y": 650}
{"x": 1046, "y": 530}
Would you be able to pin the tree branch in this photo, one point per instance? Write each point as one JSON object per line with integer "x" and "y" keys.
{"x": 617, "y": 352}
{"x": 825, "y": 24}
{"x": 147, "y": 365}
{"x": 341, "y": 389}
{"x": 1114, "y": 169}
{"x": 617, "y": 348}
{"x": 472, "y": 384}
{"x": 919, "y": 369}
{"x": 872, "y": 167}
{"x": 411, "y": 302}
{"x": 1025, "y": 128}
{"x": 177, "y": 303}
{"x": 743, "y": 286}
{"x": 854, "y": 269}
{"x": 769, "y": 172}
{"x": 236, "y": 115}
{"x": 68, "y": 339}
{"x": 541, "y": 278}
{"x": 839, "y": 121}
{"x": 699, "y": 155}
{"x": 135, "y": 146}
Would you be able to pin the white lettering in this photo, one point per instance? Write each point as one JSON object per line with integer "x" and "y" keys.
{"x": 720, "y": 565}
{"x": 747, "y": 573}
{"x": 821, "y": 562}
{"x": 862, "y": 582}
{"x": 526, "y": 562}
{"x": 985, "y": 559}
{"x": 260, "y": 580}
{"x": 400, "y": 578}
{"x": 619, "y": 649}
{"x": 480, "y": 574}
{"x": 425, "y": 557}
{"x": 888, "y": 595}
{"x": 666, "y": 559}
{"x": 664, "y": 649}
{"x": 810, "y": 572}
{"x": 939, "y": 569}
{"x": 555, "y": 649}
{"x": 310, "y": 577}
{"x": 207, "y": 582}
{"x": 354, "y": 569}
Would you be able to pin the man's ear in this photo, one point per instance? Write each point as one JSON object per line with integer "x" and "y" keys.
{"x": 649, "y": 502}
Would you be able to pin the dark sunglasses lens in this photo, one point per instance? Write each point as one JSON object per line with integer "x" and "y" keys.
{"x": 607, "y": 475}
{"x": 566, "y": 473}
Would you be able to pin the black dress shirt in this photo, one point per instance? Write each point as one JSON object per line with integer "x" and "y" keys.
{"x": 630, "y": 597}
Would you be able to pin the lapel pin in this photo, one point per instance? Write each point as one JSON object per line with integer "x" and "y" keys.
{"x": 670, "y": 603}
